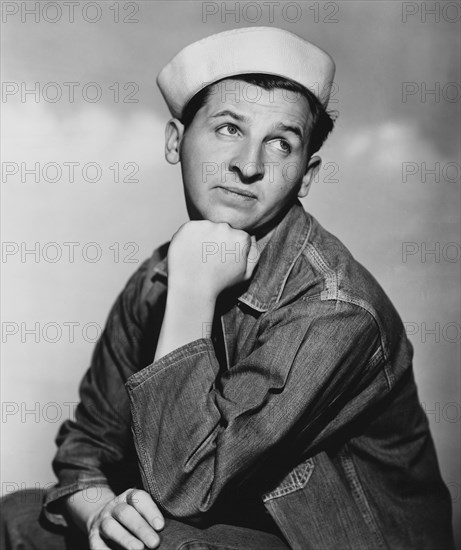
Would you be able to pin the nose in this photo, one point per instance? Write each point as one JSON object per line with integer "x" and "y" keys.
{"x": 247, "y": 163}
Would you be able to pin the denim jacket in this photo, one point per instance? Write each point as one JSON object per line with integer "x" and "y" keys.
{"x": 301, "y": 397}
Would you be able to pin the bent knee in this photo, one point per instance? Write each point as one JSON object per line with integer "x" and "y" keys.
{"x": 20, "y": 505}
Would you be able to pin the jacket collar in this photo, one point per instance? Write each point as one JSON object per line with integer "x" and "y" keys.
{"x": 275, "y": 263}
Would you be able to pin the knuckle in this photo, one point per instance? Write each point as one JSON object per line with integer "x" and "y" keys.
{"x": 105, "y": 526}
{"x": 119, "y": 498}
{"x": 128, "y": 541}
{"x": 147, "y": 533}
{"x": 122, "y": 512}
{"x": 133, "y": 496}
{"x": 223, "y": 227}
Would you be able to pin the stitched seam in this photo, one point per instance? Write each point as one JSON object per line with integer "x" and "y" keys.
{"x": 345, "y": 297}
{"x": 348, "y": 299}
{"x": 139, "y": 378}
{"x": 359, "y": 495}
{"x": 150, "y": 374}
{"x": 297, "y": 479}
{"x": 143, "y": 457}
{"x": 280, "y": 520}
{"x": 295, "y": 259}
{"x": 331, "y": 279}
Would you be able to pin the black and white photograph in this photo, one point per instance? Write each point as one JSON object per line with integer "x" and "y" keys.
{"x": 230, "y": 275}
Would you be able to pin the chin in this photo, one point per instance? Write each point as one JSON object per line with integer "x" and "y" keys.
{"x": 235, "y": 224}
{"x": 224, "y": 216}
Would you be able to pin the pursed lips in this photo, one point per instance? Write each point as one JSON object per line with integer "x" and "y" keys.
{"x": 238, "y": 191}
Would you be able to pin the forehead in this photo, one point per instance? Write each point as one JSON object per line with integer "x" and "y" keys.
{"x": 256, "y": 102}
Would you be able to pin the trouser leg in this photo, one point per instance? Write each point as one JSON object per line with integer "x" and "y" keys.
{"x": 23, "y": 527}
{"x": 180, "y": 536}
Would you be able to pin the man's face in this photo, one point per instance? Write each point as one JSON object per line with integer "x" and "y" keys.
{"x": 244, "y": 156}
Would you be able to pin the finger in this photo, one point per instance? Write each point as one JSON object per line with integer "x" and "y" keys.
{"x": 145, "y": 505}
{"x": 112, "y": 530}
{"x": 96, "y": 542}
{"x": 252, "y": 258}
{"x": 132, "y": 520}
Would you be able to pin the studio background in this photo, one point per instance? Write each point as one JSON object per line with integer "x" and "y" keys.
{"x": 389, "y": 187}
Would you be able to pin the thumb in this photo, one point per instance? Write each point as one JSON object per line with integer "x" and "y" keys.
{"x": 252, "y": 258}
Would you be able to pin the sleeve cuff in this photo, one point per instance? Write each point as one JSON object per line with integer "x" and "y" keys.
{"x": 187, "y": 351}
{"x": 53, "y": 505}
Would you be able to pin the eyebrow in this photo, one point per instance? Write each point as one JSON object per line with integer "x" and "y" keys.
{"x": 227, "y": 112}
{"x": 289, "y": 128}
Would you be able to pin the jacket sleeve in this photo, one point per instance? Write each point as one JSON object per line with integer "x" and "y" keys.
{"x": 94, "y": 448}
{"x": 308, "y": 376}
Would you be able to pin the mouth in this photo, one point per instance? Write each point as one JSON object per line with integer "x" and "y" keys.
{"x": 239, "y": 192}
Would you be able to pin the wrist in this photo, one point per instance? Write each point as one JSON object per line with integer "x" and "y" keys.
{"x": 81, "y": 511}
{"x": 189, "y": 297}
{"x": 188, "y": 314}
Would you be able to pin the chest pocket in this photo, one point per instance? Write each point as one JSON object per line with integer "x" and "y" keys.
{"x": 293, "y": 481}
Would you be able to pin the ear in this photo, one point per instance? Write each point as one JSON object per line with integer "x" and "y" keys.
{"x": 312, "y": 170}
{"x": 174, "y": 132}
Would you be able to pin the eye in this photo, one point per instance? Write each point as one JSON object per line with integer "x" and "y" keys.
{"x": 282, "y": 145}
{"x": 228, "y": 130}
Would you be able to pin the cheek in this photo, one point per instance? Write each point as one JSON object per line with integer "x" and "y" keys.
{"x": 198, "y": 161}
{"x": 191, "y": 167}
{"x": 291, "y": 174}
{"x": 284, "y": 182}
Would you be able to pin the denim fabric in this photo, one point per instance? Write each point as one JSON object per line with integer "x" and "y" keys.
{"x": 308, "y": 406}
{"x": 22, "y": 527}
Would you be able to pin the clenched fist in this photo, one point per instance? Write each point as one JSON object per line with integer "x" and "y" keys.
{"x": 213, "y": 256}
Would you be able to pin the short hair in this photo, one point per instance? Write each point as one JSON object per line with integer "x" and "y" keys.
{"x": 322, "y": 121}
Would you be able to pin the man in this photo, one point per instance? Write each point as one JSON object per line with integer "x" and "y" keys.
{"x": 253, "y": 387}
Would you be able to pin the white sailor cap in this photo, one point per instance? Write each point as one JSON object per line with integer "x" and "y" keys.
{"x": 266, "y": 50}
